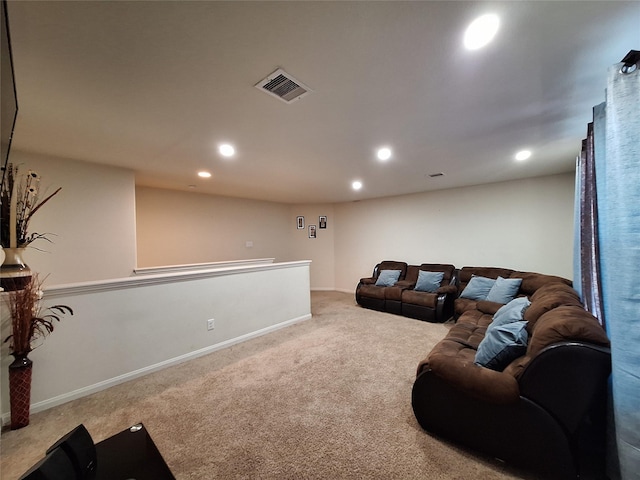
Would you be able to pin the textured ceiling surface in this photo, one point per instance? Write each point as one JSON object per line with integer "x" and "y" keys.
{"x": 155, "y": 87}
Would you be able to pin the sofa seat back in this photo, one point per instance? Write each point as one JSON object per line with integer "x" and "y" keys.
{"x": 448, "y": 270}
{"x": 531, "y": 282}
{"x": 391, "y": 265}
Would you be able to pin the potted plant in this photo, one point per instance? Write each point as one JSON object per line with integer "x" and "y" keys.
{"x": 30, "y": 324}
{"x": 20, "y": 199}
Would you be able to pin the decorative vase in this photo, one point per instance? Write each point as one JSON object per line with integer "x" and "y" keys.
{"x": 20, "y": 390}
{"x": 14, "y": 273}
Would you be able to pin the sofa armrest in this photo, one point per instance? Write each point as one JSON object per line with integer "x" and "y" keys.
{"x": 565, "y": 378}
{"x": 446, "y": 297}
{"x": 456, "y": 367}
{"x": 447, "y": 289}
{"x": 368, "y": 281}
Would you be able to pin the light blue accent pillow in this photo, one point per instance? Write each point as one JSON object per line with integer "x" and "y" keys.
{"x": 428, "y": 281}
{"x": 388, "y": 278}
{"x": 504, "y": 290}
{"x": 478, "y": 288}
{"x": 502, "y": 345}
{"x": 511, "y": 312}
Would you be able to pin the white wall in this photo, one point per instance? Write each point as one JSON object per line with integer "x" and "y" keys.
{"x": 525, "y": 225}
{"x": 93, "y": 219}
{"x": 183, "y": 227}
{"x": 319, "y": 250}
{"x": 125, "y": 328}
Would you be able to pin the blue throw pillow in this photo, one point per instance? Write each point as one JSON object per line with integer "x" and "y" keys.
{"x": 502, "y": 345}
{"x": 504, "y": 290}
{"x": 511, "y": 312}
{"x": 388, "y": 278}
{"x": 428, "y": 281}
{"x": 478, "y": 288}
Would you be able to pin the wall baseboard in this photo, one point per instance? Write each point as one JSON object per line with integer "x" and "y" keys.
{"x": 332, "y": 289}
{"x": 112, "y": 382}
{"x": 345, "y": 290}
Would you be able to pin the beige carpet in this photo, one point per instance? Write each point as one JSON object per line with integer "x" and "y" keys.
{"x": 329, "y": 398}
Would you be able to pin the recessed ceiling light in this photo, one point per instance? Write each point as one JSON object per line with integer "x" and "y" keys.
{"x": 226, "y": 150}
{"x": 481, "y": 31}
{"x": 384, "y": 153}
{"x": 523, "y": 155}
{"x": 204, "y": 174}
{"x": 357, "y": 185}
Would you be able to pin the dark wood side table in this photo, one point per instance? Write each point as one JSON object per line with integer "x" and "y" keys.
{"x": 131, "y": 455}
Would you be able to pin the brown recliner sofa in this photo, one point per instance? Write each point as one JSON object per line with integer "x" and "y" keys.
{"x": 428, "y": 306}
{"x": 545, "y": 410}
{"x": 401, "y": 298}
{"x": 370, "y": 295}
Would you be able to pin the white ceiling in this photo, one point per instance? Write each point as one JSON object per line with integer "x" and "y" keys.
{"x": 156, "y": 86}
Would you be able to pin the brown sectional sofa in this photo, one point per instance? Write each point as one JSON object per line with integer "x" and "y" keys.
{"x": 545, "y": 410}
{"x": 401, "y": 298}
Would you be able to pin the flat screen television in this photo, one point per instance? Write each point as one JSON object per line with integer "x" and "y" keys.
{"x": 9, "y": 99}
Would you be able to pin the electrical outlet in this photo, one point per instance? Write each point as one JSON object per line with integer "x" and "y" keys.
{"x": 210, "y": 324}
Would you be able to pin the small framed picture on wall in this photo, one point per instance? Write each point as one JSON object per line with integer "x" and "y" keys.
{"x": 312, "y": 231}
{"x": 300, "y": 222}
{"x": 323, "y": 221}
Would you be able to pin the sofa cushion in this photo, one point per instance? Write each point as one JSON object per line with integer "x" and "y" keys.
{"x": 501, "y": 345}
{"x": 462, "y": 305}
{"x": 395, "y": 292}
{"x": 546, "y": 299}
{"x": 391, "y": 265}
{"x": 470, "y": 328}
{"x": 453, "y": 361}
{"x": 371, "y": 291}
{"x": 424, "y": 299}
{"x": 445, "y": 268}
{"x": 504, "y": 290}
{"x": 488, "y": 307}
{"x": 564, "y": 323}
{"x": 553, "y": 288}
{"x": 478, "y": 288}
{"x": 428, "y": 281}
{"x": 412, "y": 274}
{"x": 511, "y": 312}
{"x": 388, "y": 277}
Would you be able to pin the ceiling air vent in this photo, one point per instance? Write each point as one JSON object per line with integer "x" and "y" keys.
{"x": 283, "y": 86}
